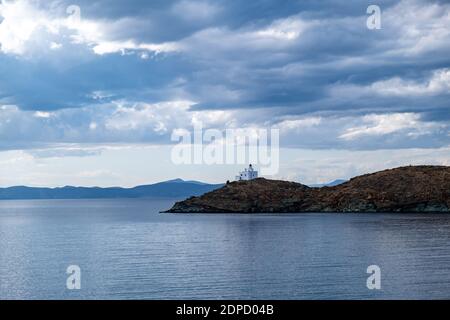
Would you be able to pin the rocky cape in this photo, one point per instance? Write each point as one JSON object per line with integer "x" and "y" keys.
{"x": 404, "y": 189}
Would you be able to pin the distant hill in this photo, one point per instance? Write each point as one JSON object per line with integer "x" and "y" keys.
{"x": 329, "y": 184}
{"x": 169, "y": 189}
{"x": 405, "y": 189}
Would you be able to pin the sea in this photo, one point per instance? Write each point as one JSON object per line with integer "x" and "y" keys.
{"x": 127, "y": 249}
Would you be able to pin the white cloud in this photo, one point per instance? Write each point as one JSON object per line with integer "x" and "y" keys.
{"x": 420, "y": 26}
{"x": 25, "y": 27}
{"x": 20, "y": 21}
{"x": 300, "y": 123}
{"x": 438, "y": 83}
{"x": 382, "y": 124}
{"x": 157, "y": 116}
{"x": 55, "y": 46}
{"x": 284, "y": 29}
{"x": 127, "y": 122}
{"x": 105, "y": 47}
{"x": 164, "y": 117}
{"x": 93, "y": 126}
{"x": 42, "y": 114}
{"x": 220, "y": 41}
{"x": 118, "y": 120}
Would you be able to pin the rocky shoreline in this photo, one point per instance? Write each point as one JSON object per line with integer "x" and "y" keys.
{"x": 404, "y": 189}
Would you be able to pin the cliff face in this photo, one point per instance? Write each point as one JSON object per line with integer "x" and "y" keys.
{"x": 405, "y": 189}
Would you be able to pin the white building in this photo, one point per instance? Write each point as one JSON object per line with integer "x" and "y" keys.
{"x": 247, "y": 174}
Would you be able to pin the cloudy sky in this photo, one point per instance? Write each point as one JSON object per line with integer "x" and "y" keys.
{"x": 91, "y": 91}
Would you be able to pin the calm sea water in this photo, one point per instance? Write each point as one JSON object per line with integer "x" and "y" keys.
{"x": 127, "y": 250}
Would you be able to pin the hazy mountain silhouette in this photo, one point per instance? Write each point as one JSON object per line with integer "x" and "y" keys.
{"x": 177, "y": 188}
{"x": 329, "y": 184}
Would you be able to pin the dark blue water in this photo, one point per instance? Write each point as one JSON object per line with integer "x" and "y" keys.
{"x": 127, "y": 250}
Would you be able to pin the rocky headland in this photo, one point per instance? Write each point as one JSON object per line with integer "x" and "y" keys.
{"x": 404, "y": 189}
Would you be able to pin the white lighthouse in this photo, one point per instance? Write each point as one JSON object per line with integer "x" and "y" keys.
{"x": 247, "y": 174}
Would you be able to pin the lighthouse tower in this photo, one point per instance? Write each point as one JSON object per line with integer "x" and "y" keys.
{"x": 248, "y": 174}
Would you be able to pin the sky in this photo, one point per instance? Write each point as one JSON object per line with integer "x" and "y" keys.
{"x": 91, "y": 91}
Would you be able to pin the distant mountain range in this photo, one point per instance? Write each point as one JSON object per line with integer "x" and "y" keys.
{"x": 177, "y": 188}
